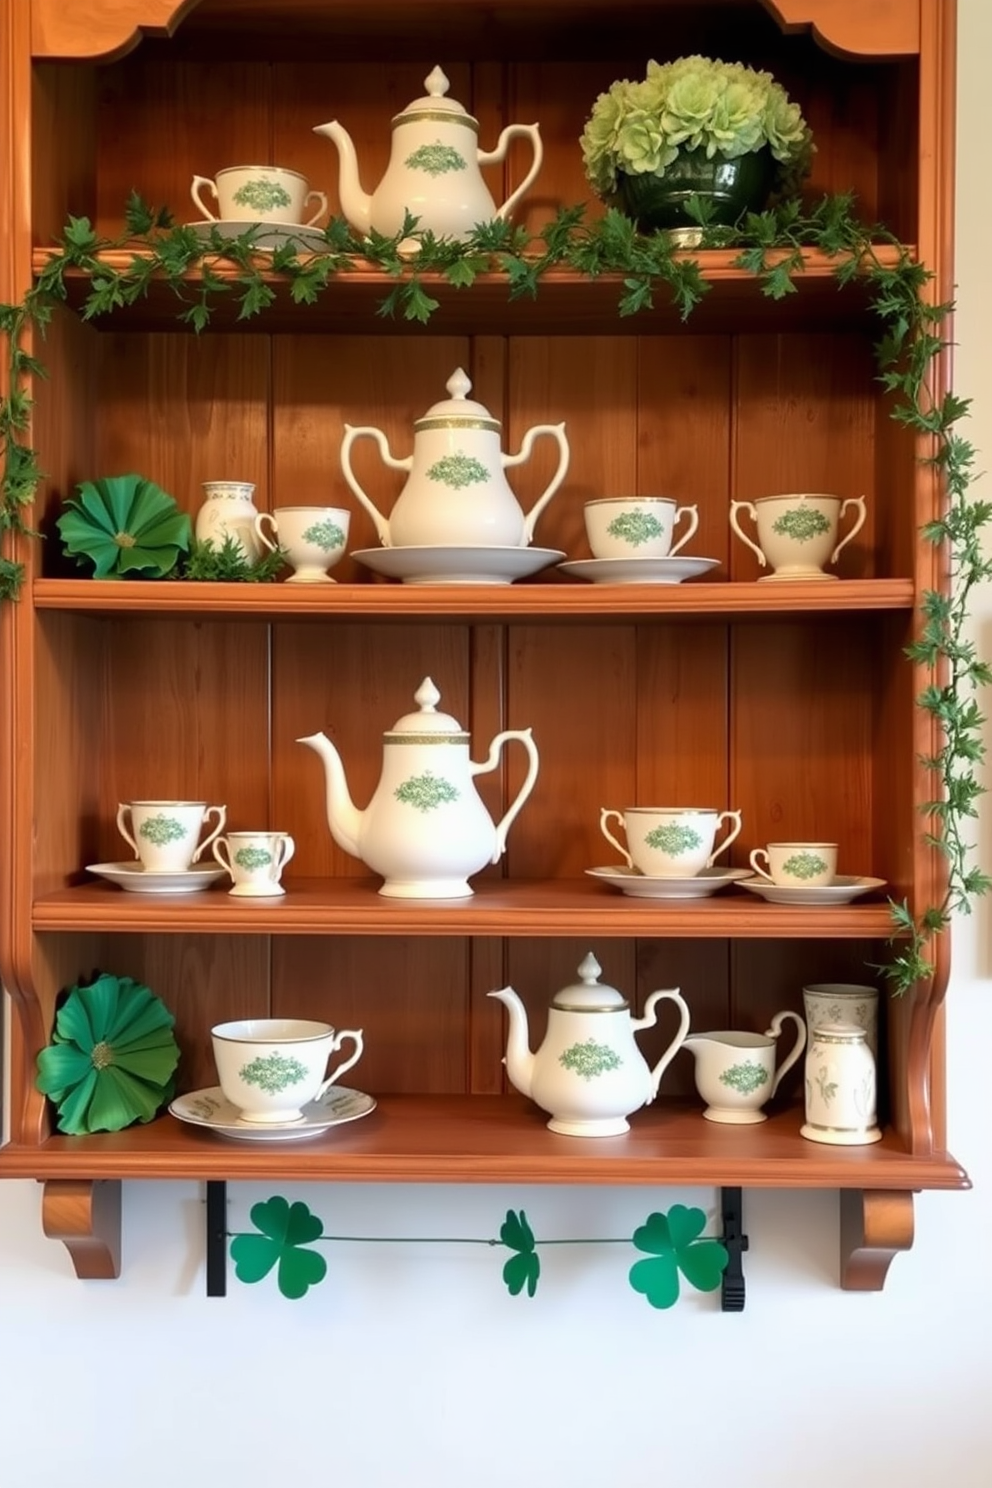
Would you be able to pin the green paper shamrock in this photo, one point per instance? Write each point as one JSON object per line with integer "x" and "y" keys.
{"x": 124, "y": 524}
{"x": 672, "y": 1240}
{"x": 524, "y": 1268}
{"x": 112, "y": 1056}
{"x": 286, "y": 1229}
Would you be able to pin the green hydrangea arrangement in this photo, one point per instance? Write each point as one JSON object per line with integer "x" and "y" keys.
{"x": 694, "y": 103}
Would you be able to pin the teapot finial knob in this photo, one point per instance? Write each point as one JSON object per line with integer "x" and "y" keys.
{"x": 436, "y": 83}
{"x": 427, "y": 696}
{"x": 590, "y": 969}
{"x": 459, "y": 385}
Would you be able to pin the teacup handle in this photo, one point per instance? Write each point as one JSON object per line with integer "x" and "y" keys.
{"x": 221, "y": 824}
{"x": 732, "y": 835}
{"x": 797, "y": 1048}
{"x": 287, "y": 848}
{"x": 748, "y": 506}
{"x": 692, "y": 512}
{"x": 759, "y": 852}
{"x": 315, "y": 196}
{"x": 672, "y": 995}
{"x": 200, "y": 183}
{"x": 122, "y": 809}
{"x": 604, "y": 816}
{"x": 858, "y": 502}
{"x": 557, "y": 432}
{"x": 260, "y": 533}
{"x": 218, "y": 843}
{"x": 355, "y": 1034}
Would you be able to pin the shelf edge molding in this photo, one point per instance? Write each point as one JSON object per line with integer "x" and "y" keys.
{"x": 879, "y": 28}
{"x": 85, "y": 1214}
{"x": 875, "y": 1226}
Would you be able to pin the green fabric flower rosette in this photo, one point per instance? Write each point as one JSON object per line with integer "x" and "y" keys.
{"x": 112, "y": 1057}
{"x": 125, "y": 526}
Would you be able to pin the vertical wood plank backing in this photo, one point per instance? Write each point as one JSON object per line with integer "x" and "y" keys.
{"x": 559, "y": 96}
{"x": 682, "y": 717}
{"x": 71, "y": 732}
{"x": 700, "y": 971}
{"x": 488, "y": 970}
{"x": 64, "y": 421}
{"x": 63, "y": 126}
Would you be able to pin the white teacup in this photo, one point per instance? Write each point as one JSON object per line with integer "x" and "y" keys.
{"x": 843, "y": 1002}
{"x": 258, "y": 193}
{"x": 797, "y": 865}
{"x": 312, "y": 537}
{"x": 270, "y": 1068}
{"x": 670, "y": 841}
{"x": 255, "y": 861}
{"x": 797, "y": 534}
{"x": 165, "y": 835}
{"x": 637, "y": 526}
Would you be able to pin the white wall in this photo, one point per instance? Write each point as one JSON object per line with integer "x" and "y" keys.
{"x": 412, "y": 1366}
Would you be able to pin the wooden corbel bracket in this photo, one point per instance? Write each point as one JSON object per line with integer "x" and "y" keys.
{"x": 85, "y": 1214}
{"x": 875, "y": 1225}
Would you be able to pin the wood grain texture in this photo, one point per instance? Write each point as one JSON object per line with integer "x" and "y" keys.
{"x": 85, "y": 1214}
{"x": 875, "y": 1226}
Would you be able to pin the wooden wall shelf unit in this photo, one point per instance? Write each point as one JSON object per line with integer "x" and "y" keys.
{"x": 795, "y": 704}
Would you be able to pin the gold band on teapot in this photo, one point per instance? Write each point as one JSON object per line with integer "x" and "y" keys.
{"x": 437, "y": 116}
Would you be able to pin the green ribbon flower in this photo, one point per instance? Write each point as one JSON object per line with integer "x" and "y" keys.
{"x": 112, "y": 1057}
{"x": 124, "y": 524}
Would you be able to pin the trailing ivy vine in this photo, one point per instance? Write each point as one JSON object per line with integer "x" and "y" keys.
{"x": 771, "y": 245}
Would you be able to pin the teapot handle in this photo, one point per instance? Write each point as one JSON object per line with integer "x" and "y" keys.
{"x": 487, "y": 157}
{"x": 351, "y": 433}
{"x": 503, "y": 826}
{"x": 649, "y": 1020}
{"x": 557, "y": 432}
{"x": 797, "y": 1048}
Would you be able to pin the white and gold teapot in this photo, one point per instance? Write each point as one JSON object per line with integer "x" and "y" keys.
{"x": 456, "y": 494}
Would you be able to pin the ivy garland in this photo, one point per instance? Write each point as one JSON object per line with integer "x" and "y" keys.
{"x": 771, "y": 246}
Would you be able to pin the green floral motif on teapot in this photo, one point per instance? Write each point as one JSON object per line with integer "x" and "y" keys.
{"x": 674, "y": 840}
{"x": 590, "y": 1059}
{"x": 250, "y": 858}
{"x": 426, "y": 792}
{"x": 804, "y": 865}
{"x": 435, "y": 159}
{"x": 161, "y": 830}
{"x": 273, "y": 1072}
{"x": 802, "y": 523}
{"x": 635, "y": 527}
{"x": 458, "y": 470}
{"x": 262, "y": 195}
{"x": 745, "y": 1078}
{"x": 324, "y": 535}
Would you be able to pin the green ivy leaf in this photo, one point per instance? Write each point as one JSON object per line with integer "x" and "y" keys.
{"x": 285, "y": 1230}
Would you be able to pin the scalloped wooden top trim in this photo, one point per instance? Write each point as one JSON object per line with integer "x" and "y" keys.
{"x": 869, "y": 28}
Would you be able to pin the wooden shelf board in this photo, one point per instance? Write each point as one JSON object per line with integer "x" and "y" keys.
{"x": 551, "y": 601}
{"x": 495, "y": 1139}
{"x": 498, "y": 907}
{"x": 567, "y": 303}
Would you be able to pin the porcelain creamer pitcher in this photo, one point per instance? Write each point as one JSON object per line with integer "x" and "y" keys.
{"x": 588, "y": 1072}
{"x": 456, "y": 494}
{"x": 425, "y": 829}
{"x": 433, "y": 172}
{"x": 735, "y": 1072}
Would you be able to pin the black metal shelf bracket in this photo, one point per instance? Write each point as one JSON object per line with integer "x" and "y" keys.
{"x": 733, "y": 1291}
{"x": 216, "y": 1239}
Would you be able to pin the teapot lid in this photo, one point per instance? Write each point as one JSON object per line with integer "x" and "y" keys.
{"x": 590, "y": 996}
{"x": 459, "y": 411}
{"x": 435, "y": 105}
{"x": 427, "y": 726}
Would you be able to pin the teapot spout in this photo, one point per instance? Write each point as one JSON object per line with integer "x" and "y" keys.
{"x": 343, "y": 817}
{"x": 519, "y": 1060}
{"x": 355, "y": 203}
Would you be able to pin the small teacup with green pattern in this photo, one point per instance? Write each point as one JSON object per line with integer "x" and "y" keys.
{"x": 312, "y": 537}
{"x": 797, "y": 535}
{"x": 797, "y": 865}
{"x": 670, "y": 841}
{"x": 255, "y": 861}
{"x": 165, "y": 835}
{"x": 270, "y": 1068}
{"x": 637, "y": 526}
{"x": 258, "y": 193}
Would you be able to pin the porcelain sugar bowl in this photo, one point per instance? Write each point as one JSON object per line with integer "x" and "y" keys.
{"x": 588, "y": 1073}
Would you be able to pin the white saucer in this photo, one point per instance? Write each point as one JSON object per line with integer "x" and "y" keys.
{"x": 270, "y": 235}
{"x": 841, "y": 891}
{"x": 137, "y": 880}
{"x": 698, "y": 886}
{"x": 210, "y": 1109}
{"x": 638, "y": 570}
{"x": 424, "y": 565}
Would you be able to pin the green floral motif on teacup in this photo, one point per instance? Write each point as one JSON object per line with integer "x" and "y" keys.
{"x": 458, "y": 470}
{"x": 802, "y": 523}
{"x": 674, "y": 840}
{"x": 745, "y": 1078}
{"x": 324, "y": 535}
{"x": 426, "y": 791}
{"x": 435, "y": 159}
{"x": 262, "y": 195}
{"x": 273, "y": 1072}
{"x": 590, "y": 1059}
{"x": 250, "y": 858}
{"x": 635, "y": 527}
{"x": 161, "y": 830}
{"x": 804, "y": 865}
